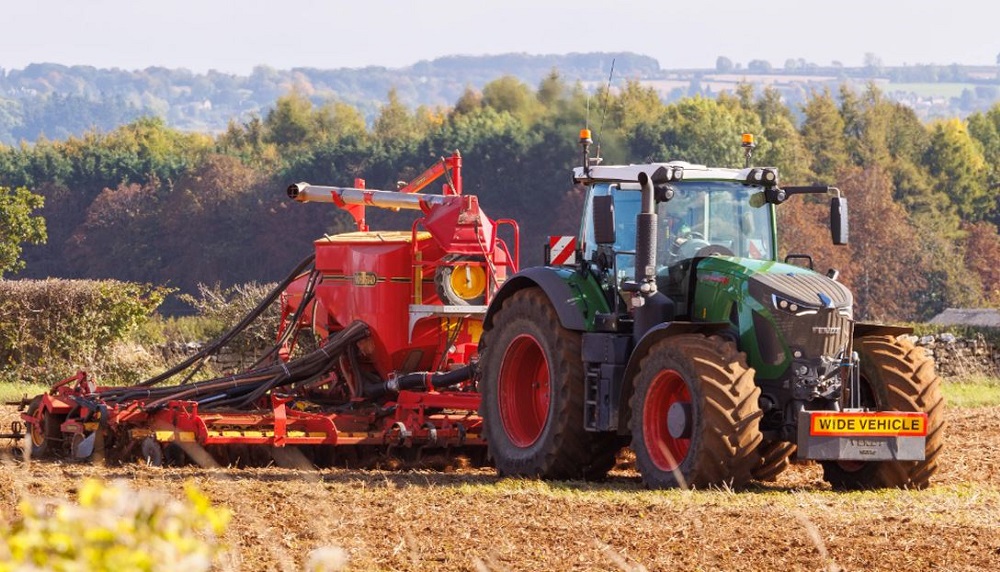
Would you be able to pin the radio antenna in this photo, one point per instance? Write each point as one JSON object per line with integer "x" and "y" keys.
{"x": 604, "y": 112}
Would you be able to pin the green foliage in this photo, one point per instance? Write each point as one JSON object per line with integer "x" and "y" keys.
{"x": 18, "y": 224}
{"x": 113, "y": 527}
{"x": 508, "y": 94}
{"x": 395, "y": 124}
{"x": 159, "y": 330}
{"x": 49, "y": 327}
{"x": 947, "y": 281}
{"x": 956, "y": 164}
{"x": 290, "y": 122}
{"x": 706, "y": 131}
{"x": 823, "y": 135}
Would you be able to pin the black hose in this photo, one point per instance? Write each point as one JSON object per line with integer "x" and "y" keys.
{"x": 419, "y": 380}
{"x": 330, "y": 351}
{"x": 242, "y": 389}
{"x": 307, "y": 296}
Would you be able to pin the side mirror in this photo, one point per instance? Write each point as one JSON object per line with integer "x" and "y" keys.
{"x": 604, "y": 219}
{"x": 838, "y": 220}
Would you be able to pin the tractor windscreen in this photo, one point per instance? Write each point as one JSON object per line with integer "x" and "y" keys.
{"x": 703, "y": 218}
{"x": 706, "y": 218}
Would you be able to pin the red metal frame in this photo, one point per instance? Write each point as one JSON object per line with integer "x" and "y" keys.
{"x": 388, "y": 264}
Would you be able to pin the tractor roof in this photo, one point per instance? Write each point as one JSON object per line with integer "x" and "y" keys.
{"x": 630, "y": 173}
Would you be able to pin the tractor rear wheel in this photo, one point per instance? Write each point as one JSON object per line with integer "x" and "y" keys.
{"x": 532, "y": 390}
{"x": 895, "y": 376}
{"x": 45, "y": 435}
{"x": 695, "y": 417}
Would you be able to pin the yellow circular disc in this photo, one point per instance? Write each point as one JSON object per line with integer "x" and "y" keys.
{"x": 468, "y": 281}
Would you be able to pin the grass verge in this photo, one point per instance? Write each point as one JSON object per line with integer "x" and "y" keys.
{"x": 15, "y": 391}
{"x": 972, "y": 391}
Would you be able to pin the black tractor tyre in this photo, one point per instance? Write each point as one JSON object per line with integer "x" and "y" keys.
{"x": 532, "y": 395}
{"x": 775, "y": 457}
{"x": 695, "y": 417}
{"x": 898, "y": 377}
{"x": 45, "y": 438}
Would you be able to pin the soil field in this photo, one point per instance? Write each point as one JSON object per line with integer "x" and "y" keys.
{"x": 469, "y": 519}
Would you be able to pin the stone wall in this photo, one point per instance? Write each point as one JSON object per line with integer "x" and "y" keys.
{"x": 956, "y": 356}
{"x": 227, "y": 361}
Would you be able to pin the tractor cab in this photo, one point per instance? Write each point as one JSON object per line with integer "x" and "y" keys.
{"x": 708, "y": 213}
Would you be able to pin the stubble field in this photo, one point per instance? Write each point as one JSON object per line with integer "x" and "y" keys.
{"x": 469, "y": 519}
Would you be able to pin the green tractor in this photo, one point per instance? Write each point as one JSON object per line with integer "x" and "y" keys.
{"x": 673, "y": 326}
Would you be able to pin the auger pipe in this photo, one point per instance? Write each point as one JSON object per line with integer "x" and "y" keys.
{"x": 342, "y": 196}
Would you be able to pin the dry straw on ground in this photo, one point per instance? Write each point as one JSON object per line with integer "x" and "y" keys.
{"x": 471, "y": 520}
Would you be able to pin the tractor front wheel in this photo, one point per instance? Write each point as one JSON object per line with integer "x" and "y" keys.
{"x": 895, "y": 376}
{"x": 532, "y": 390}
{"x": 695, "y": 417}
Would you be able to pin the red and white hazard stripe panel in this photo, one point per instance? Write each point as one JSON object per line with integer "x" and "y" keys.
{"x": 562, "y": 250}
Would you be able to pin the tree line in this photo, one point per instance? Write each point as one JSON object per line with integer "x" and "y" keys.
{"x": 148, "y": 203}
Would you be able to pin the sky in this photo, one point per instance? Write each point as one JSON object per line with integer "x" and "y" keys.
{"x": 235, "y": 36}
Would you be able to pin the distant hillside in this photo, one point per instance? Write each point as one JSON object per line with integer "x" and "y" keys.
{"x": 57, "y": 101}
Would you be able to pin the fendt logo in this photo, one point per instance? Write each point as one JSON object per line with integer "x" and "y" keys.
{"x": 365, "y": 278}
{"x": 830, "y": 331}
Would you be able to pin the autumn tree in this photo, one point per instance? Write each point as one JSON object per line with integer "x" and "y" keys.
{"x": 470, "y": 101}
{"x": 886, "y": 269}
{"x": 982, "y": 251}
{"x": 120, "y": 236}
{"x": 209, "y": 220}
{"x": 18, "y": 225}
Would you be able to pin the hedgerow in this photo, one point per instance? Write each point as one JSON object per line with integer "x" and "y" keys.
{"x": 49, "y": 327}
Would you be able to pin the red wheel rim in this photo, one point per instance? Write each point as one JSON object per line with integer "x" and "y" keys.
{"x": 666, "y": 451}
{"x": 851, "y": 466}
{"x": 523, "y": 389}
